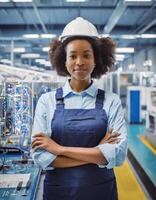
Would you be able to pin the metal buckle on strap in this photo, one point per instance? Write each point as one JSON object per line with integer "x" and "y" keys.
{"x": 59, "y": 101}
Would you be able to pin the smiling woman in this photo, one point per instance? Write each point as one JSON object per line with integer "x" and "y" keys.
{"x": 102, "y": 48}
{"x": 79, "y": 62}
{"x": 79, "y": 132}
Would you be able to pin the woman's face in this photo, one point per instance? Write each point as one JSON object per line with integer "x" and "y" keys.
{"x": 80, "y": 59}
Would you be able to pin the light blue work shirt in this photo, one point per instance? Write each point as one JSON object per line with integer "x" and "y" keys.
{"x": 114, "y": 153}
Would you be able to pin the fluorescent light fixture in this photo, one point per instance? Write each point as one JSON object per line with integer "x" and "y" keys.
{"x": 129, "y": 37}
{"x": 125, "y": 50}
{"x": 45, "y": 48}
{"x": 31, "y": 35}
{"x": 19, "y": 50}
{"x": 30, "y": 55}
{"x": 138, "y": 0}
{"x": 39, "y": 60}
{"x": 47, "y": 35}
{"x": 22, "y": 1}
{"x": 119, "y": 57}
{"x": 47, "y": 63}
{"x": 148, "y": 36}
{"x": 4, "y": 1}
{"x": 43, "y": 62}
{"x": 76, "y": 0}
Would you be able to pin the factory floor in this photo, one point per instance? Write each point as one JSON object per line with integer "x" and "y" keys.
{"x": 130, "y": 185}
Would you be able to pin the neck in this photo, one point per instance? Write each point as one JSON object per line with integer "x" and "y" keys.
{"x": 79, "y": 86}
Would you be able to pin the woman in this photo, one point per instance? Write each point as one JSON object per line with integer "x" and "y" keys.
{"x": 79, "y": 131}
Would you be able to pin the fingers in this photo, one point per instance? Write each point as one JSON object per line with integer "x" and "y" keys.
{"x": 115, "y": 134}
{"x": 39, "y": 135}
{"x": 110, "y": 130}
{"x": 111, "y": 137}
{"x": 113, "y": 140}
{"x": 36, "y": 143}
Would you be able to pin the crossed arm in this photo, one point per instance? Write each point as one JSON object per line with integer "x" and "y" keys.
{"x": 73, "y": 156}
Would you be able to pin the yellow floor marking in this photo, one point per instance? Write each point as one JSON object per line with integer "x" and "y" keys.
{"x": 145, "y": 141}
{"x": 128, "y": 187}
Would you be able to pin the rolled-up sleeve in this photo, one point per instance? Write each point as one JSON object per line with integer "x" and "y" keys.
{"x": 41, "y": 157}
{"x": 115, "y": 154}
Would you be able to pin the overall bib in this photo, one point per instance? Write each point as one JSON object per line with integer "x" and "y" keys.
{"x": 79, "y": 128}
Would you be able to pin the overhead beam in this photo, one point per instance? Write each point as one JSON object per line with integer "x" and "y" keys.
{"x": 20, "y": 11}
{"x": 114, "y": 18}
{"x": 39, "y": 18}
{"x": 43, "y": 6}
{"x": 143, "y": 30}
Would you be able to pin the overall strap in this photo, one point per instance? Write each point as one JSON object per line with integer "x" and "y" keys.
{"x": 100, "y": 99}
{"x": 59, "y": 99}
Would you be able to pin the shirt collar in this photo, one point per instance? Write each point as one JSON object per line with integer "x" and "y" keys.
{"x": 91, "y": 91}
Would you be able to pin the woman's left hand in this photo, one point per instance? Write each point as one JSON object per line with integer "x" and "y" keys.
{"x": 42, "y": 141}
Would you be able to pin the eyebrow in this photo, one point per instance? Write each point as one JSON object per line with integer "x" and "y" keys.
{"x": 85, "y": 51}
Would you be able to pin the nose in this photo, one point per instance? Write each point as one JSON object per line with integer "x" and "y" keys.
{"x": 79, "y": 61}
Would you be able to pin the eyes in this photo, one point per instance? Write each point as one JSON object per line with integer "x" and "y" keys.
{"x": 86, "y": 56}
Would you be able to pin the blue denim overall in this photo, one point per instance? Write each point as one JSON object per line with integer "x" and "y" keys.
{"x": 79, "y": 128}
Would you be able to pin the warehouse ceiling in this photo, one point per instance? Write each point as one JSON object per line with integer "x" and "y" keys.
{"x": 126, "y": 22}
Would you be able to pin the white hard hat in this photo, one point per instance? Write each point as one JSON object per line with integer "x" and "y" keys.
{"x": 79, "y": 27}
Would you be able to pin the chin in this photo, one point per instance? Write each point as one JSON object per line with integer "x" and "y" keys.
{"x": 82, "y": 78}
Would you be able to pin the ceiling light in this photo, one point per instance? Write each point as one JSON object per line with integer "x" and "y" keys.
{"x": 43, "y": 62}
{"x": 45, "y": 48}
{"x": 47, "y": 35}
{"x": 148, "y": 36}
{"x": 22, "y": 1}
{"x": 76, "y": 0}
{"x": 31, "y": 36}
{"x": 30, "y": 55}
{"x": 125, "y": 50}
{"x": 119, "y": 57}
{"x": 39, "y": 60}
{"x": 19, "y": 50}
{"x": 138, "y": 0}
{"x": 47, "y": 63}
{"x": 129, "y": 37}
{"x": 4, "y": 1}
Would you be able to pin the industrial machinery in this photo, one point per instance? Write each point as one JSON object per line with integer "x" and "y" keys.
{"x": 117, "y": 82}
{"x": 151, "y": 115}
{"x": 17, "y": 106}
{"x": 136, "y": 104}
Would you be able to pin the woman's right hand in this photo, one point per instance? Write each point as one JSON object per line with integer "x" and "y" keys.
{"x": 110, "y": 137}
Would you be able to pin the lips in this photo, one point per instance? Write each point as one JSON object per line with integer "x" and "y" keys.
{"x": 79, "y": 70}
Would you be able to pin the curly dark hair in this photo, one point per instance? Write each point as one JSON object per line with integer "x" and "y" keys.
{"x": 103, "y": 49}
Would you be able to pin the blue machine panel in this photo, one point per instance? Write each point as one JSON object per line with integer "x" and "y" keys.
{"x": 135, "y": 106}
